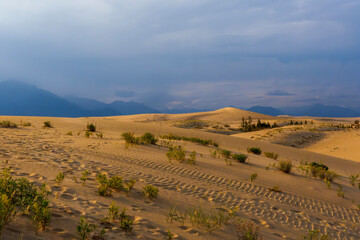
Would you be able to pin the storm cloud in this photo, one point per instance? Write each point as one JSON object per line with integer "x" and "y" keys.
{"x": 199, "y": 54}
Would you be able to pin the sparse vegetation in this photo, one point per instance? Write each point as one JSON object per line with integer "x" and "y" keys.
{"x": 204, "y": 142}
{"x": 150, "y": 192}
{"x": 148, "y": 138}
{"x": 225, "y": 153}
{"x": 177, "y": 153}
{"x": 170, "y": 235}
{"x": 88, "y": 134}
{"x": 26, "y": 124}
{"x": 239, "y": 157}
{"x": 84, "y": 176}
{"x": 113, "y": 212}
{"x": 60, "y": 177}
{"x": 254, "y": 150}
{"x": 126, "y": 222}
{"x": 271, "y": 155}
{"x": 69, "y": 133}
{"x": 100, "y": 135}
{"x": 315, "y": 235}
{"x": 340, "y": 191}
{"x": 84, "y": 229}
{"x": 318, "y": 170}
{"x": 114, "y": 183}
{"x": 199, "y": 124}
{"x": 284, "y": 166}
{"x": 8, "y": 124}
{"x": 48, "y": 124}
{"x": 130, "y": 138}
{"x": 91, "y": 127}
{"x": 353, "y": 179}
{"x": 253, "y": 176}
{"x": 247, "y": 231}
{"x": 274, "y": 189}
{"x": 192, "y": 158}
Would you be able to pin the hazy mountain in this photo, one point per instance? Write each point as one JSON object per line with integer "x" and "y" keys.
{"x": 266, "y": 110}
{"x": 20, "y": 99}
{"x": 115, "y": 108}
{"x": 320, "y": 110}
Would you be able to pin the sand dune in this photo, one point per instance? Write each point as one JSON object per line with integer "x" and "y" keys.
{"x": 304, "y": 204}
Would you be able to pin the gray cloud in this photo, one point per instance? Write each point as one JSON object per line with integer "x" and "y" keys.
{"x": 204, "y": 53}
{"x": 279, "y": 93}
{"x": 124, "y": 94}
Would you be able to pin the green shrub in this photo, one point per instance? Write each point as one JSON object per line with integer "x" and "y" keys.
{"x": 60, "y": 177}
{"x": 170, "y": 235}
{"x": 39, "y": 210}
{"x": 253, "y": 176}
{"x": 84, "y": 176}
{"x": 91, "y": 127}
{"x": 254, "y": 150}
{"x": 247, "y": 231}
{"x": 284, "y": 166}
{"x": 85, "y": 229}
{"x": 150, "y": 192}
{"x": 88, "y": 134}
{"x": 129, "y": 185}
{"x": 175, "y": 215}
{"x": 239, "y": 157}
{"x": 274, "y": 189}
{"x": 69, "y": 133}
{"x": 225, "y": 153}
{"x": 192, "y": 159}
{"x": 318, "y": 170}
{"x": 199, "y": 124}
{"x": 104, "y": 190}
{"x": 340, "y": 191}
{"x": 48, "y": 124}
{"x": 176, "y": 153}
{"x": 116, "y": 182}
{"x": 130, "y": 138}
{"x": 148, "y": 138}
{"x": 353, "y": 179}
{"x": 99, "y": 135}
{"x": 126, "y": 223}
{"x": 204, "y": 142}
{"x": 113, "y": 212}
{"x": 208, "y": 220}
{"x": 7, "y": 211}
{"x": 315, "y": 235}
{"x": 271, "y": 155}
{"x": 7, "y": 124}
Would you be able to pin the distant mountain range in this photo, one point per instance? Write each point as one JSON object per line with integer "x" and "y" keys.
{"x": 20, "y": 99}
{"x": 315, "y": 110}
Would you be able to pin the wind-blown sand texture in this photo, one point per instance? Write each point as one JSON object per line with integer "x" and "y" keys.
{"x": 304, "y": 203}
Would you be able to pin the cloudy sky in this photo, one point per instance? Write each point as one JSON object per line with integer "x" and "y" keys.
{"x": 186, "y": 53}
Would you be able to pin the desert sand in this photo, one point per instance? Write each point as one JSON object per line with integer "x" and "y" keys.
{"x": 305, "y": 203}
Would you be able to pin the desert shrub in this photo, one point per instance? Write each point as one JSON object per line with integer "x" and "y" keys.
{"x": 284, "y": 166}
{"x": 204, "y": 142}
{"x": 148, "y": 138}
{"x": 199, "y": 124}
{"x": 240, "y": 157}
{"x": 102, "y": 178}
{"x": 315, "y": 235}
{"x": 353, "y": 178}
{"x": 113, "y": 212}
{"x": 69, "y": 133}
{"x": 175, "y": 215}
{"x": 246, "y": 231}
{"x": 48, "y": 124}
{"x": 84, "y": 229}
{"x": 254, "y": 150}
{"x": 130, "y": 138}
{"x": 170, "y": 235}
{"x": 39, "y": 210}
{"x": 274, "y": 189}
{"x": 60, "y": 177}
{"x": 126, "y": 222}
{"x": 91, "y": 127}
{"x": 7, "y": 124}
{"x": 88, "y": 134}
{"x": 253, "y": 176}
{"x": 84, "y": 176}
{"x": 26, "y": 124}
{"x": 318, "y": 170}
{"x": 150, "y": 192}
{"x": 340, "y": 191}
{"x": 176, "y": 153}
{"x": 208, "y": 220}
{"x": 192, "y": 158}
{"x": 116, "y": 182}
{"x": 99, "y": 135}
{"x": 129, "y": 185}
{"x": 271, "y": 155}
{"x": 7, "y": 211}
{"x": 104, "y": 190}
{"x": 225, "y": 153}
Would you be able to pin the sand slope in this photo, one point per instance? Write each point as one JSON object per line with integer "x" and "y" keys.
{"x": 305, "y": 203}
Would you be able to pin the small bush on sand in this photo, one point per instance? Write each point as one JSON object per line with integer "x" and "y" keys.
{"x": 148, "y": 138}
{"x": 254, "y": 150}
{"x": 239, "y": 157}
{"x": 204, "y": 142}
{"x": 225, "y": 153}
{"x": 7, "y": 211}
{"x": 284, "y": 166}
{"x": 91, "y": 127}
{"x": 116, "y": 182}
{"x": 208, "y": 220}
{"x": 247, "y": 231}
{"x": 315, "y": 235}
{"x": 130, "y": 138}
{"x": 60, "y": 177}
{"x": 48, "y": 124}
{"x": 126, "y": 222}
{"x": 129, "y": 185}
{"x": 253, "y": 176}
{"x": 176, "y": 153}
{"x": 340, "y": 191}
{"x": 7, "y": 124}
{"x": 100, "y": 135}
{"x": 271, "y": 155}
{"x": 318, "y": 170}
{"x": 88, "y": 134}
{"x": 353, "y": 179}
{"x": 26, "y": 124}
{"x": 84, "y": 229}
{"x": 274, "y": 189}
{"x": 113, "y": 212}
{"x": 69, "y": 133}
{"x": 84, "y": 176}
{"x": 192, "y": 158}
{"x": 150, "y": 192}
{"x": 104, "y": 190}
